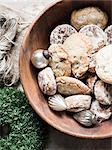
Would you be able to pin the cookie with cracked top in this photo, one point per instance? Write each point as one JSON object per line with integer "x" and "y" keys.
{"x": 108, "y": 32}
{"x": 87, "y": 16}
{"x": 104, "y": 64}
{"x": 70, "y": 86}
{"x": 60, "y": 33}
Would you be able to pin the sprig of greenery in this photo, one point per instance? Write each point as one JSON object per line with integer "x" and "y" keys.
{"x": 28, "y": 131}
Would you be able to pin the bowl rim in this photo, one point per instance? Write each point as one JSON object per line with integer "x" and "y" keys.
{"x": 27, "y": 93}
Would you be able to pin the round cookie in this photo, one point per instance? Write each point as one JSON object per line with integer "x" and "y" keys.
{"x": 97, "y": 36}
{"x": 108, "y": 32}
{"x": 89, "y": 15}
{"x": 98, "y": 39}
{"x": 77, "y": 43}
{"x": 103, "y": 92}
{"x": 104, "y": 64}
{"x": 60, "y": 33}
{"x": 20, "y": 127}
{"x": 71, "y": 86}
{"x": 100, "y": 113}
{"x": 58, "y": 61}
{"x": 80, "y": 65}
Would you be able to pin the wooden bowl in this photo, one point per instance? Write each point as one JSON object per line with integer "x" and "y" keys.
{"x": 38, "y": 37}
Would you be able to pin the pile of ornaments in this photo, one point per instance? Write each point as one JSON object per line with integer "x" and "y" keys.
{"x": 76, "y": 70}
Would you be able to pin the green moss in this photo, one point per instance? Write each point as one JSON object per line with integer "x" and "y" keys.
{"x": 27, "y": 130}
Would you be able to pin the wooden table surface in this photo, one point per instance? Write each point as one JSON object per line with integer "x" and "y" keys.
{"x": 57, "y": 140}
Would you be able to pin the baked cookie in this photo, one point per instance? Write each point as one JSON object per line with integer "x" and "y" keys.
{"x": 77, "y": 43}
{"x": 47, "y": 82}
{"x": 108, "y": 32}
{"x": 98, "y": 39}
{"x": 80, "y": 65}
{"x": 70, "y": 86}
{"x": 101, "y": 114}
{"x": 97, "y": 36}
{"x": 91, "y": 80}
{"x": 60, "y": 33}
{"x": 103, "y": 92}
{"x": 77, "y": 103}
{"x": 59, "y": 60}
{"x": 104, "y": 64}
{"x": 89, "y": 15}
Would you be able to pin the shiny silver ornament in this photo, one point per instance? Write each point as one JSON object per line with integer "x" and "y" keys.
{"x": 38, "y": 59}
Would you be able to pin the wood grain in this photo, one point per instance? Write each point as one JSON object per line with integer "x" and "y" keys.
{"x": 38, "y": 37}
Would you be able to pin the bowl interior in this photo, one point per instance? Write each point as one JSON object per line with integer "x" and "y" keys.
{"x": 38, "y": 37}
